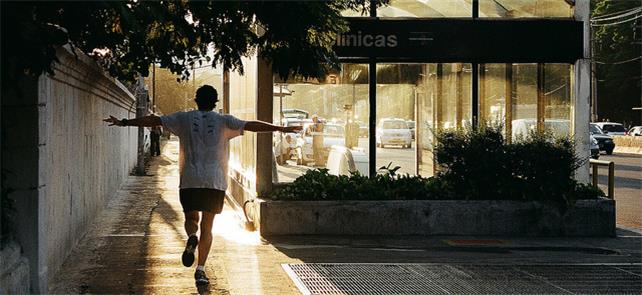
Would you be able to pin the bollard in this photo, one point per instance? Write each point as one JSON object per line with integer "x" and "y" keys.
{"x": 611, "y": 179}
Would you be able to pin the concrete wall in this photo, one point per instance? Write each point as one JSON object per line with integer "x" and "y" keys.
{"x": 582, "y": 94}
{"x": 64, "y": 163}
{"x": 587, "y": 218}
{"x": 628, "y": 144}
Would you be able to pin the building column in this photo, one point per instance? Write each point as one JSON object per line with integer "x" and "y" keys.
{"x": 264, "y": 105}
{"x": 582, "y": 94}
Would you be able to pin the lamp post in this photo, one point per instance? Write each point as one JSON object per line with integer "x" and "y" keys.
{"x": 281, "y": 94}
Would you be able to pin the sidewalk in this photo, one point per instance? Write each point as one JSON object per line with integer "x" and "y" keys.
{"x": 135, "y": 247}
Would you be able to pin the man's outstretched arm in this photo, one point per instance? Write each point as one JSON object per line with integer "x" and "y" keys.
{"x": 260, "y": 126}
{"x": 147, "y": 121}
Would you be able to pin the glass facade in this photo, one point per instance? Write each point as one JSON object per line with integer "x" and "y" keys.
{"x": 334, "y": 114}
{"x": 243, "y": 91}
{"x": 525, "y": 8}
{"x": 426, "y": 8}
{"x": 525, "y": 98}
{"x": 412, "y": 99}
{"x": 464, "y": 8}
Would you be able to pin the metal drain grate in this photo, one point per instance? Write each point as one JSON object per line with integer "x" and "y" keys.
{"x": 373, "y": 278}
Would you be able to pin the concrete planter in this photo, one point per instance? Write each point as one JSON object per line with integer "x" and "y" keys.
{"x": 14, "y": 271}
{"x": 590, "y": 218}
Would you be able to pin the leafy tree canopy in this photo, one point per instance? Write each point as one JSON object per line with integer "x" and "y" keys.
{"x": 127, "y": 36}
{"x": 617, "y": 33}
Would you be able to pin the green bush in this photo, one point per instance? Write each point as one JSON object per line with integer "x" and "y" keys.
{"x": 319, "y": 185}
{"x": 481, "y": 164}
{"x": 472, "y": 165}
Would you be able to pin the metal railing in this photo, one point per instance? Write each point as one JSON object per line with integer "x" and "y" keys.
{"x": 594, "y": 168}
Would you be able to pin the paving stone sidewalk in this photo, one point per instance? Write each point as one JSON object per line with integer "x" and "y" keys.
{"x": 134, "y": 247}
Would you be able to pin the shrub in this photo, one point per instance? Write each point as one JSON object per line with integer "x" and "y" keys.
{"x": 481, "y": 164}
{"x": 319, "y": 185}
{"x": 472, "y": 165}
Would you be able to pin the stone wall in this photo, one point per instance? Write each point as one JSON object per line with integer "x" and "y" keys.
{"x": 628, "y": 144}
{"x": 63, "y": 162}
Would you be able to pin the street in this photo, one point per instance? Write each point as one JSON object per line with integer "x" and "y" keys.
{"x": 628, "y": 188}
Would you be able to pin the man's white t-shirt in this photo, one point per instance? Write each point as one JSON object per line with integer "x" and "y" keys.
{"x": 204, "y": 146}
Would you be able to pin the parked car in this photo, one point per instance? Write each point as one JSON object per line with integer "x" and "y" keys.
{"x": 605, "y": 142}
{"x": 296, "y": 113}
{"x": 296, "y": 121}
{"x": 595, "y": 148}
{"x": 393, "y": 132}
{"x": 635, "y": 131}
{"x": 333, "y": 134}
{"x": 611, "y": 128}
{"x": 363, "y": 130}
{"x": 411, "y": 126}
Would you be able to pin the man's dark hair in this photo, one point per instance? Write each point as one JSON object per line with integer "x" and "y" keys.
{"x": 206, "y": 98}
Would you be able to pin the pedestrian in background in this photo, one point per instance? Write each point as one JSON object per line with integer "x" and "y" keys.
{"x": 317, "y": 140}
{"x": 155, "y": 135}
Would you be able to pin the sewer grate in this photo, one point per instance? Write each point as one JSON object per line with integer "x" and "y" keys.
{"x": 375, "y": 278}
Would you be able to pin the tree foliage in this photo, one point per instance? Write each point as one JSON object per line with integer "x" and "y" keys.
{"x": 128, "y": 36}
{"x": 617, "y": 42}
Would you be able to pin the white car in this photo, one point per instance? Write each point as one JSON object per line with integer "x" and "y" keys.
{"x": 393, "y": 132}
{"x": 611, "y": 128}
{"x": 333, "y": 134}
{"x": 635, "y": 131}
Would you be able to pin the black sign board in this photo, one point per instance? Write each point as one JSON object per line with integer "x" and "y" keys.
{"x": 462, "y": 40}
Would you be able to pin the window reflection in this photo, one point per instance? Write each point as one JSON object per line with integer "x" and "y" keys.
{"x": 419, "y": 98}
{"x": 334, "y": 116}
{"x": 492, "y": 94}
{"x": 557, "y": 93}
{"x": 413, "y": 102}
{"x": 463, "y": 8}
{"x": 525, "y": 8}
{"x": 244, "y": 88}
{"x": 426, "y": 8}
{"x": 397, "y": 92}
{"x": 524, "y": 108}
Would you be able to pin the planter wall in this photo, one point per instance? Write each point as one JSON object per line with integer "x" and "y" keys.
{"x": 427, "y": 217}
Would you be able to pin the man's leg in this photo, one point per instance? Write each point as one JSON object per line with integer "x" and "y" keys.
{"x": 205, "y": 237}
{"x": 191, "y": 222}
{"x": 204, "y": 248}
{"x": 158, "y": 151}
{"x": 191, "y": 226}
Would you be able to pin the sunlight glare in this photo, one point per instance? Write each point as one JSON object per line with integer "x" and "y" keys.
{"x": 228, "y": 226}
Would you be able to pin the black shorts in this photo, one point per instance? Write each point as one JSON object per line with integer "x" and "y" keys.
{"x": 202, "y": 199}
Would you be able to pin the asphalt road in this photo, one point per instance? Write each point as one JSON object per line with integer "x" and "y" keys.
{"x": 628, "y": 188}
{"x": 402, "y": 157}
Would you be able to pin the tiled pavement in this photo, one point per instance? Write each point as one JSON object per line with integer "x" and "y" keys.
{"x": 135, "y": 245}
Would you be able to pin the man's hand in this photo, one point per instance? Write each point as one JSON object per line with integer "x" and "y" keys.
{"x": 113, "y": 121}
{"x": 291, "y": 129}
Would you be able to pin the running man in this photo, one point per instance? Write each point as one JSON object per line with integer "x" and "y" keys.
{"x": 203, "y": 136}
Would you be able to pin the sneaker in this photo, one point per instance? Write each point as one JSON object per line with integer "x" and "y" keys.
{"x": 201, "y": 278}
{"x": 190, "y": 248}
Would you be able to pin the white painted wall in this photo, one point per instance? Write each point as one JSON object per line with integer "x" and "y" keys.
{"x": 68, "y": 162}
